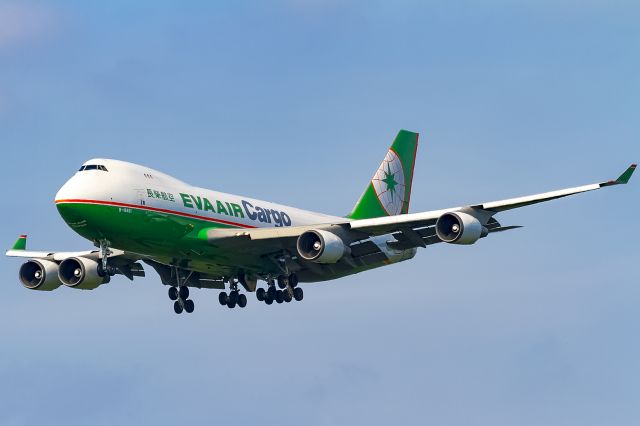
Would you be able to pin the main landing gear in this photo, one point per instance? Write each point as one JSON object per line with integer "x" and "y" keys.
{"x": 182, "y": 301}
{"x": 234, "y": 298}
{"x": 289, "y": 290}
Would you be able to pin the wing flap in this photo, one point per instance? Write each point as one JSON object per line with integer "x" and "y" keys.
{"x": 364, "y": 248}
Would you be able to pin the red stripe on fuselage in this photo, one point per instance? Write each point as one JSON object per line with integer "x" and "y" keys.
{"x": 154, "y": 209}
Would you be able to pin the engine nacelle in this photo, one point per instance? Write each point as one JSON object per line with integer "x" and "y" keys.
{"x": 320, "y": 246}
{"x": 38, "y": 274}
{"x": 459, "y": 228}
{"x": 82, "y": 273}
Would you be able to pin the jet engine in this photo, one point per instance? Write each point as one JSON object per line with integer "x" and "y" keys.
{"x": 38, "y": 274}
{"x": 320, "y": 246}
{"x": 459, "y": 228}
{"x": 82, "y": 273}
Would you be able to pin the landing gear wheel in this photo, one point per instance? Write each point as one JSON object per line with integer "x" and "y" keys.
{"x": 279, "y": 296}
{"x": 272, "y": 292}
{"x": 293, "y": 280}
{"x": 188, "y": 306}
{"x": 282, "y": 281}
{"x": 260, "y": 294}
{"x": 183, "y": 292}
{"x": 287, "y": 296}
{"x": 177, "y": 307}
{"x": 222, "y": 298}
{"x": 231, "y": 303}
{"x": 268, "y": 300}
{"x": 298, "y": 294}
{"x": 242, "y": 300}
{"x": 233, "y": 298}
{"x": 173, "y": 293}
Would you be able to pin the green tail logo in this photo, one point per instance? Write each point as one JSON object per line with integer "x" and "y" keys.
{"x": 389, "y": 191}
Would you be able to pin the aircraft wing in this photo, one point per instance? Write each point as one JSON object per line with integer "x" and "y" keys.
{"x": 58, "y": 256}
{"x": 383, "y": 225}
{"x": 124, "y": 262}
{"x": 54, "y": 256}
{"x": 409, "y": 230}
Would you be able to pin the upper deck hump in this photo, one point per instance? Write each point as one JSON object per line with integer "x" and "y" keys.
{"x": 136, "y": 171}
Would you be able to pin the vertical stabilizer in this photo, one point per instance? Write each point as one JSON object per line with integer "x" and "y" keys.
{"x": 389, "y": 191}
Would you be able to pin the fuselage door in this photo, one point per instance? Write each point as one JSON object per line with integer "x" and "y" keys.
{"x": 141, "y": 197}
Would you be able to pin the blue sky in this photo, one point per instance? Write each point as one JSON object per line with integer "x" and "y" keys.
{"x": 296, "y": 102}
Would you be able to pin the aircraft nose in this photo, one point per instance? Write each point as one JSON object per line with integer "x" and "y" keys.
{"x": 68, "y": 191}
{"x": 67, "y": 199}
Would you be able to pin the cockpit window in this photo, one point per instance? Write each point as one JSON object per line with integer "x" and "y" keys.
{"x": 93, "y": 167}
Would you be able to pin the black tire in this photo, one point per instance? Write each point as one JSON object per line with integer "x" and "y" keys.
{"x": 282, "y": 281}
{"x": 272, "y": 292}
{"x": 173, "y": 293}
{"x": 177, "y": 307}
{"x": 189, "y": 306}
{"x": 298, "y": 294}
{"x": 260, "y": 294}
{"x": 279, "y": 296}
{"x": 287, "y": 296}
{"x": 293, "y": 280}
{"x": 222, "y": 298}
{"x": 184, "y": 292}
{"x": 268, "y": 300}
{"x": 233, "y": 298}
{"x": 242, "y": 300}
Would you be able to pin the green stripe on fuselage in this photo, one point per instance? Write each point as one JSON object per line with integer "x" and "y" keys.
{"x": 139, "y": 230}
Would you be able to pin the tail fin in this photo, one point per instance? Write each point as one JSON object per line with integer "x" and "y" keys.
{"x": 389, "y": 191}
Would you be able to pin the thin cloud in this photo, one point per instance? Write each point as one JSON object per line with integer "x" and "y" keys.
{"x": 21, "y": 23}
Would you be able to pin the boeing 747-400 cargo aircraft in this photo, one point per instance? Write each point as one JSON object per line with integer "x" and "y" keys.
{"x": 196, "y": 237}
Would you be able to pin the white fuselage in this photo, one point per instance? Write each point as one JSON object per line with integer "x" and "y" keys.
{"x": 134, "y": 186}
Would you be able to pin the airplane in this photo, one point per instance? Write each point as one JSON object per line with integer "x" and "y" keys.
{"x": 196, "y": 237}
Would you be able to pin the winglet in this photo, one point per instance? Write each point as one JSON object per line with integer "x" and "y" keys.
{"x": 623, "y": 178}
{"x": 21, "y": 243}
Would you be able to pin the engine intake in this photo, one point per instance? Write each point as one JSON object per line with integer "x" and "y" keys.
{"x": 320, "y": 246}
{"x": 82, "y": 273}
{"x": 459, "y": 228}
{"x": 36, "y": 274}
